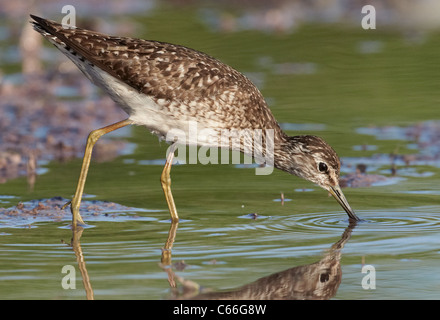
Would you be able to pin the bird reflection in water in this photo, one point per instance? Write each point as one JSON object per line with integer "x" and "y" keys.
{"x": 316, "y": 281}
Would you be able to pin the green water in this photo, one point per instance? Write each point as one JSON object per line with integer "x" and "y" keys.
{"x": 222, "y": 247}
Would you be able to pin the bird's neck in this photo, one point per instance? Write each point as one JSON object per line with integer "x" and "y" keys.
{"x": 282, "y": 143}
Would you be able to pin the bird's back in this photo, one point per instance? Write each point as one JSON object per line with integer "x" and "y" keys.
{"x": 179, "y": 84}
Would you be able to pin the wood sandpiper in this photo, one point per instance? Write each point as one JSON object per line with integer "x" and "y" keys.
{"x": 164, "y": 86}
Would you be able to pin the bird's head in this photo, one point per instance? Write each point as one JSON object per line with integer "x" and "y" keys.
{"x": 313, "y": 159}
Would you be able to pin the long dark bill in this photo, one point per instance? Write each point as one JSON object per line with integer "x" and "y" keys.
{"x": 339, "y": 196}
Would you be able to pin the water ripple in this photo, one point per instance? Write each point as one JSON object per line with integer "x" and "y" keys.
{"x": 404, "y": 220}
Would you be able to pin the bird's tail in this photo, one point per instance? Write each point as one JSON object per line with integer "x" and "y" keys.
{"x": 48, "y": 28}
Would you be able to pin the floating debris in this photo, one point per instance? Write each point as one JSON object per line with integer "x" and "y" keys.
{"x": 424, "y": 137}
{"x": 24, "y": 214}
{"x": 180, "y": 265}
{"x": 282, "y": 199}
{"x": 253, "y": 216}
{"x": 361, "y": 178}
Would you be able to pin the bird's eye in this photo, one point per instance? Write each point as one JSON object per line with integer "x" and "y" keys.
{"x": 322, "y": 167}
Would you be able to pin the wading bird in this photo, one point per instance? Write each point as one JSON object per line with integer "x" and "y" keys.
{"x": 164, "y": 86}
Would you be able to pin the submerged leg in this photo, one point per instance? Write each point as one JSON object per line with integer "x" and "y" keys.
{"x": 165, "y": 180}
{"x": 91, "y": 140}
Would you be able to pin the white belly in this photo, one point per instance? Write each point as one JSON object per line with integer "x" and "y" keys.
{"x": 163, "y": 118}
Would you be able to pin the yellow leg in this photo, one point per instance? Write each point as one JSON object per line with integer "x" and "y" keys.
{"x": 91, "y": 140}
{"x": 165, "y": 180}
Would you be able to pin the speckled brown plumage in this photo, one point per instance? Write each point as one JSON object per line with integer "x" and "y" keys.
{"x": 165, "y": 86}
{"x": 170, "y": 73}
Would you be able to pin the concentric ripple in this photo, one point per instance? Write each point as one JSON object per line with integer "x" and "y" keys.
{"x": 403, "y": 220}
{"x": 409, "y": 220}
{"x": 420, "y": 219}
